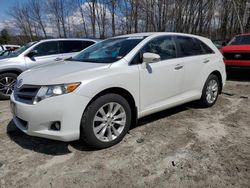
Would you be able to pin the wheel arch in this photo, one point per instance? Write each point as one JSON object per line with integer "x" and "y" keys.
{"x": 218, "y": 74}
{"x": 124, "y": 93}
{"x": 15, "y": 71}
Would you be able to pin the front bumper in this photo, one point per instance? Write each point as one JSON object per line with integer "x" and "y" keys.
{"x": 36, "y": 120}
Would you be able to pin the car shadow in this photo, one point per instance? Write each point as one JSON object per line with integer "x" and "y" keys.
{"x": 163, "y": 114}
{"x": 239, "y": 75}
{"x": 42, "y": 145}
{"x": 52, "y": 147}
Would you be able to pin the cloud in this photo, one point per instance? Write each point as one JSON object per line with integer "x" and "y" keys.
{"x": 8, "y": 24}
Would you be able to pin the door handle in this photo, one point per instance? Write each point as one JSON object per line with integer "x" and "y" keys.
{"x": 206, "y": 61}
{"x": 178, "y": 67}
{"x": 58, "y": 59}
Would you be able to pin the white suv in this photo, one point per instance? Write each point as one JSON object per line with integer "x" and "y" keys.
{"x": 36, "y": 54}
{"x": 100, "y": 92}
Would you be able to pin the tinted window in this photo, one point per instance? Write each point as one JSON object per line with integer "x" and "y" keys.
{"x": 70, "y": 46}
{"x": 188, "y": 46}
{"x": 47, "y": 48}
{"x": 86, "y": 44}
{"x": 163, "y": 46}
{"x": 205, "y": 48}
{"x": 240, "y": 40}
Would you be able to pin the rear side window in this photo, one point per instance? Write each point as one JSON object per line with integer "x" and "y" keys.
{"x": 47, "y": 48}
{"x": 86, "y": 44}
{"x": 205, "y": 48}
{"x": 188, "y": 46}
{"x": 70, "y": 46}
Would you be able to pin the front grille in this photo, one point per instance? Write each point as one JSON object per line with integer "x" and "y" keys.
{"x": 237, "y": 56}
{"x": 26, "y": 93}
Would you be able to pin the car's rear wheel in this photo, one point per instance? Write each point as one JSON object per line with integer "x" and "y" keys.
{"x": 210, "y": 91}
{"x": 7, "y": 82}
{"x": 106, "y": 121}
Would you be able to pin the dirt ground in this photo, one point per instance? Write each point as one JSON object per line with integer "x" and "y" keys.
{"x": 181, "y": 147}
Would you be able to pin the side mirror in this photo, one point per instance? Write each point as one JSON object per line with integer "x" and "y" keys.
{"x": 32, "y": 53}
{"x": 151, "y": 58}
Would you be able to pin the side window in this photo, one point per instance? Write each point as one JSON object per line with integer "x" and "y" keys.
{"x": 163, "y": 46}
{"x": 70, "y": 46}
{"x": 188, "y": 46}
{"x": 86, "y": 44}
{"x": 47, "y": 48}
{"x": 205, "y": 48}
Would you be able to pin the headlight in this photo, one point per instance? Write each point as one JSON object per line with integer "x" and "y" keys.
{"x": 54, "y": 90}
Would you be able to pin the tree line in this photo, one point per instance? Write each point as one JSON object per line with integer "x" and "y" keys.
{"x": 217, "y": 19}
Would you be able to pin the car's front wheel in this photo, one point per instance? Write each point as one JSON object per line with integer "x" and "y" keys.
{"x": 7, "y": 82}
{"x": 210, "y": 91}
{"x": 106, "y": 121}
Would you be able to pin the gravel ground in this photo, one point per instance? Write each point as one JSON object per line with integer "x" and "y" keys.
{"x": 180, "y": 147}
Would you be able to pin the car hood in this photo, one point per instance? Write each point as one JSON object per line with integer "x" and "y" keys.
{"x": 236, "y": 48}
{"x": 63, "y": 72}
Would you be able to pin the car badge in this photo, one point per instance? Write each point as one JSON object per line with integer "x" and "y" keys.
{"x": 237, "y": 56}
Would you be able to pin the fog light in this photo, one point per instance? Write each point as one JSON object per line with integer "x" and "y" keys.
{"x": 55, "y": 126}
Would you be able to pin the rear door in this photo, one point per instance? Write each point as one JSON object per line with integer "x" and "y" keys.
{"x": 69, "y": 48}
{"x": 195, "y": 59}
{"x": 47, "y": 52}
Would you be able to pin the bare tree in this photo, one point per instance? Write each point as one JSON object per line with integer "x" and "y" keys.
{"x": 92, "y": 9}
{"x": 36, "y": 10}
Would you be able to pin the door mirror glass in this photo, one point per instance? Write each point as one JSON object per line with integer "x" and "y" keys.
{"x": 32, "y": 53}
{"x": 151, "y": 58}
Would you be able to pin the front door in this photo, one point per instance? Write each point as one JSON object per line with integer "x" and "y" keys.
{"x": 162, "y": 80}
{"x": 47, "y": 52}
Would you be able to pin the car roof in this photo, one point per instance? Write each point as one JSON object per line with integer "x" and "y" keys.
{"x": 158, "y": 34}
{"x": 10, "y": 45}
{"x": 65, "y": 39}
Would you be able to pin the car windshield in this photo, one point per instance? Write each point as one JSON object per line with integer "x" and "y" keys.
{"x": 240, "y": 40}
{"x": 108, "y": 51}
{"x": 21, "y": 49}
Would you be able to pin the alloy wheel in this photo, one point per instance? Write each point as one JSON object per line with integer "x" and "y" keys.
{"x": 7, "y": 85}
{"x": 109, "y": 122}
{"x": 212, "y": 91}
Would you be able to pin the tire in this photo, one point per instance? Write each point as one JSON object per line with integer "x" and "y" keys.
{"x": 7, "y": 81}
{"x": 96, "y": 119}
{"x": 210, "y": 91}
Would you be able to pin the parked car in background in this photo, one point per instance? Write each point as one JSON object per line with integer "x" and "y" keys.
{"x": 237, "y": 52}
{"x": 8, "y": 47}
{"x": 36, "y": 54}
{"x": 97, "y": 94}
{"x": 4, "y": 53}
